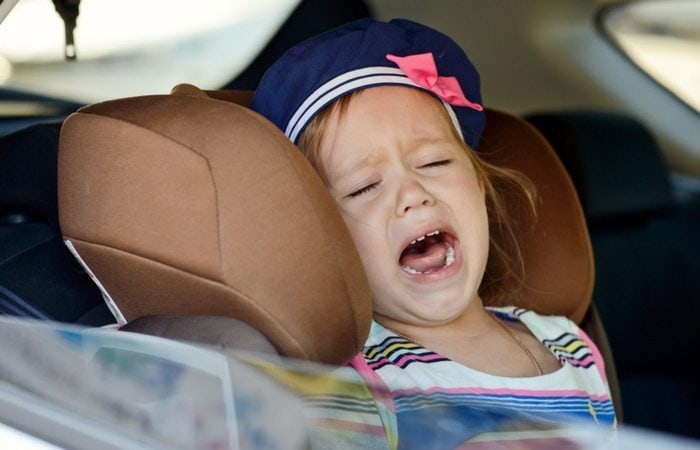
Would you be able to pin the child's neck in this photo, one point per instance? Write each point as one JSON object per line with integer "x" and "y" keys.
{"x": 473, "y": 323}
{"x": 477, "y": 340}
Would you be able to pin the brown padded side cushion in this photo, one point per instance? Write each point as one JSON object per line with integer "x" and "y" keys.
{"x": 557, "y": 253}
{"x": 189, "y": 205}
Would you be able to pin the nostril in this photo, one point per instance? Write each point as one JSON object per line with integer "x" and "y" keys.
{"x": 427, "y": 201}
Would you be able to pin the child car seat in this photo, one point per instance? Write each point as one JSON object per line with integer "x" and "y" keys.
{"x": 190, "y": 204}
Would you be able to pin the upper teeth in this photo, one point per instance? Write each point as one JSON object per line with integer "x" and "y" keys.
{"x": 434, "y": 233}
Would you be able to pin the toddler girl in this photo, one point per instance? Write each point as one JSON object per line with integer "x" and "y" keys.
{"x": 389, "y": 114}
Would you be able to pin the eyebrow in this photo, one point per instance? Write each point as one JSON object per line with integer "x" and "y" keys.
{"x": 433, "y": 140}
{"x": 368, "y": 160}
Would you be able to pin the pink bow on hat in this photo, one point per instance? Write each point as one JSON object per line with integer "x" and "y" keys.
{"x": 421, "y": 69}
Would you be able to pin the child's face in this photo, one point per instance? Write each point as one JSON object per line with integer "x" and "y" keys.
{"x": 399, "y": 173}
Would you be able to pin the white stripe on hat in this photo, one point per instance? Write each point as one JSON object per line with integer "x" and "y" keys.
{"x": 347, "y": 82}
{"x": 333, "y": 83}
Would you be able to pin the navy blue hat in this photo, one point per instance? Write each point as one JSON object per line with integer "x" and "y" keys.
{"x": 367, "y": 53}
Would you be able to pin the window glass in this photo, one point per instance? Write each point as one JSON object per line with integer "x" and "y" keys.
{"x": 663, "y": 38}
{"x": 132, "y": 47}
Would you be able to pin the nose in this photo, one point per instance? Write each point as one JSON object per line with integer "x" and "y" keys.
{"x": 412, "y": 194}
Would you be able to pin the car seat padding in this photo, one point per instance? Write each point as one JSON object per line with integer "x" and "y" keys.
{"x": 188, "y": 205}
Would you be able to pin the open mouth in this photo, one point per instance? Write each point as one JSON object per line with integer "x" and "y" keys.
{"x": 429, "y": 253}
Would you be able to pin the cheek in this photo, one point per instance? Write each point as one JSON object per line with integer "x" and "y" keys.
{"x": 466, "y": 192}
{"x": 371, "y": 245}
{"x": 480, "y": 223}
{"x": 469, "y": 202}
{"x": 363, "y": 236}
{"x": 477, "y": 212}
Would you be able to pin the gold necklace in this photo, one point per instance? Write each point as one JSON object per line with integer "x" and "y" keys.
{"x": 507, "y": 329}
{"x": 517, "y": 340}
{"x": 402, "y": 335}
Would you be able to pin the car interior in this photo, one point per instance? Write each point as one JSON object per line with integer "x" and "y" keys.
{"x": 646, "y": 244}
{"x": 203, "y": 224}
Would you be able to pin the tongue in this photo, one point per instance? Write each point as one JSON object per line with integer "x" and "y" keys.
{"x": 430, "y": 257}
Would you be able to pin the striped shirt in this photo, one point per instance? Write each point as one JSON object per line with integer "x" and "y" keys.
{"x": 397, "y": 394}
{"x": 430, "y": 401}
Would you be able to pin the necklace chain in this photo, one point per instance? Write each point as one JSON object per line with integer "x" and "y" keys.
{"x": 517, "y": 340}
{"x": 510, "y": 333}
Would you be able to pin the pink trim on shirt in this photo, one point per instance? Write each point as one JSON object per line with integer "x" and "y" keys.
{"x": 597, "y": 357}
{"x": 375, "y": 384}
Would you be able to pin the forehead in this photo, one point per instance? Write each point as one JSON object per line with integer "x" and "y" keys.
{"x": 383, "y": 118}
{"x": 378, "y": 106}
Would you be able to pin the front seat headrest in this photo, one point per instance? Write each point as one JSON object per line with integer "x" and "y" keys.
{"x": 188, "y": 205}
{"x": 614, "y": 162}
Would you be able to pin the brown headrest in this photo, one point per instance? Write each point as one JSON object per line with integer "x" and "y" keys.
{"x": 187, "y": 205}
{"x": 558, "y": 258}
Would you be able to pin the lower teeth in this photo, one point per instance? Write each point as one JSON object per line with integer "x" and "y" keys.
{"x": 449, "y": 260}
{"x": 410, "y": 270}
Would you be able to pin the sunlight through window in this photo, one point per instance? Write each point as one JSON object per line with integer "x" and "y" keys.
{"x": 663, "y": 38}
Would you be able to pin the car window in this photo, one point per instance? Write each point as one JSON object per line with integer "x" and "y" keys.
{"x": 133, "y": 47}
{"x": 662, "y": 37}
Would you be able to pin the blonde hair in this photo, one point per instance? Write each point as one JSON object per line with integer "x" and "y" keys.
{"x": 505, "y": 269}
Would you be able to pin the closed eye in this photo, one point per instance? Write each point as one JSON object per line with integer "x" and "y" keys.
{"x": 363, "y": 190}
{"x": 442, "y": 162}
